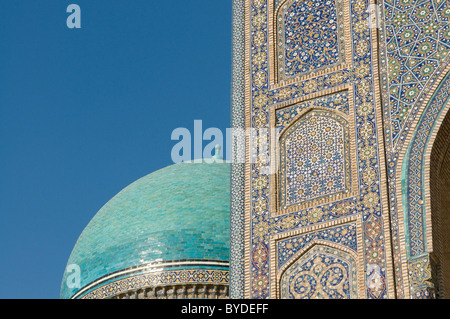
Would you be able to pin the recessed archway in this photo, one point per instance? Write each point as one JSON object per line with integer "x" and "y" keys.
{"x": 440, "y": 209}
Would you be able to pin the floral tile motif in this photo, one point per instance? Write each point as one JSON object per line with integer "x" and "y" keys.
{"x": 309, "y": 36}
{"x": 323, "y": 273}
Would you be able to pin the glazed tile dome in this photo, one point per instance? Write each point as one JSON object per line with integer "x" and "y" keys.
{"x": 175, "y": 218}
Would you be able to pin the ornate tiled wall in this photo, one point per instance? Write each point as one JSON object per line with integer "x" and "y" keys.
{"x": 370, "y": 79}
{"x": 312, "y": 84}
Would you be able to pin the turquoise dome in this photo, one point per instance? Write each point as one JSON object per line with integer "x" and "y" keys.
{"x": 180, "y": 212}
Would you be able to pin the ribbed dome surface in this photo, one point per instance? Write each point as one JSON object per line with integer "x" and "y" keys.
{"x": 180, "y": 212}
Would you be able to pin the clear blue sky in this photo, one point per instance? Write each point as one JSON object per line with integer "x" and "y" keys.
{"x": 85, "y": 112}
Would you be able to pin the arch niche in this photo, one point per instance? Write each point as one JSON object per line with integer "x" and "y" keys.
{"x": 426, "y": 198}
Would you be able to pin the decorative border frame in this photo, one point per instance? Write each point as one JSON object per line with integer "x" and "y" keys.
{"x": 275, "y": 207}
{"x": 155, "y": 279}
{"x": 130, "y": 275}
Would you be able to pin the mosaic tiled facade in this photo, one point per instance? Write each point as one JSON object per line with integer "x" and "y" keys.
{"x": 370, "y": 80}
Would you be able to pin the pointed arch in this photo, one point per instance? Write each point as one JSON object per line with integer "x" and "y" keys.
{"x": 414, "y": 190}
{"x": 315, "y": 159}
{"x": 320, "y": 270}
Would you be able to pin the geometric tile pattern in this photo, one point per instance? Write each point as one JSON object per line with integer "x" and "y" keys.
{"x": 315, "y": 158}
{"x": 417, "y": 39}
{"x": 321, "y": 273}
{"x": 309, "y": 36}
